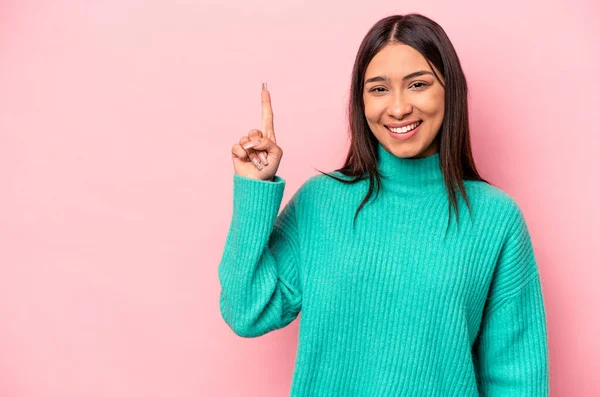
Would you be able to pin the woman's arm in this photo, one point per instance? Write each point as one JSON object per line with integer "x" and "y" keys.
{"x": 511, "y": 350}
{"x": 260, "y": 288}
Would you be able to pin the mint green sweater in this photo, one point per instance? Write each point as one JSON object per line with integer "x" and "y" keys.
{"x": 394, "y": 306}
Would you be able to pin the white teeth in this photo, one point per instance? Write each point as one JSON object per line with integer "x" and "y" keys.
{"x": 405, "y": 129}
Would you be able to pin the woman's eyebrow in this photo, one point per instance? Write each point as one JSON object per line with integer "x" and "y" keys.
{"x": 407, "y": 77}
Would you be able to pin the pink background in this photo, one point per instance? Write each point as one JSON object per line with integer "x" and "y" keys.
{"x": 116, "y": 124}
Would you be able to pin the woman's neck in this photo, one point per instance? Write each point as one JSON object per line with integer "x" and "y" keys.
{"x": 409, "y": 175}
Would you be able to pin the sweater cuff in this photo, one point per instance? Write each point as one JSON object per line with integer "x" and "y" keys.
{"x": 254, "y": 196}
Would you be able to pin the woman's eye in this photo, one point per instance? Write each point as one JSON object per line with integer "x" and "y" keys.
{"x": 420, "y": 86}
{"x": 376, "y": 89}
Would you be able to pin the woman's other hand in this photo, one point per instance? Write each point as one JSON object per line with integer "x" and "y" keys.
{"x": 257, "y": 155}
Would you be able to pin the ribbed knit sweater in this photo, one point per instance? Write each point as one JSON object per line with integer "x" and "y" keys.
{"x": 396, "y": 305}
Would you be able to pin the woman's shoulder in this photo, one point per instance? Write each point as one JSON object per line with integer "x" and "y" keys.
{"x": 492, "y": 198}
{"x": 325, "y": 180}
{"x": 324, "y": 185}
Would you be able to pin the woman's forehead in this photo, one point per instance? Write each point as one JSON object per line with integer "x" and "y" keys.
{"x": 397, "y": 60}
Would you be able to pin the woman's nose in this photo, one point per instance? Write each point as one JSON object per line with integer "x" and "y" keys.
{"x": 399, "y": 106}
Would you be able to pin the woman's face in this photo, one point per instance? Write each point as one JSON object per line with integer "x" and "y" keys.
{"x": 400, "y": 89}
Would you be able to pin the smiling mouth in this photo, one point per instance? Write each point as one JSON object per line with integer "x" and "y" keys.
{"x": 406, "y": 129}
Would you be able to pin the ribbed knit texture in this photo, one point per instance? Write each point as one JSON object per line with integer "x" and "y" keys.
{"x": 395, "y": 306}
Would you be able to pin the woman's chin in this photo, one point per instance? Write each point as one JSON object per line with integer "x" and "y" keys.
{"x": 404, "y": 149}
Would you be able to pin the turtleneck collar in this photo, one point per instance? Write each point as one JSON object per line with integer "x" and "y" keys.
{"x": 409, "y": 174}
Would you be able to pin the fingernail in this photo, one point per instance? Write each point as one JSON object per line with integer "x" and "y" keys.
{"x": 263, "y": 158}
{"x": 251, "y": 144}
{"x": 264, "y": 86}
{"x": 257, "y": 163}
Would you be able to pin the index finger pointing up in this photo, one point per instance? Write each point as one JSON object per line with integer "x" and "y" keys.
{"x": 267, "y": 114}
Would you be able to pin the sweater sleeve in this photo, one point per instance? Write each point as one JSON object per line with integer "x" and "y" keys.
{"x": 258, "y": 272}
{"x": 511, "y": 352}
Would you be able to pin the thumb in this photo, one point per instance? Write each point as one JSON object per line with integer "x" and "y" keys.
{"x": 264, "y": 144}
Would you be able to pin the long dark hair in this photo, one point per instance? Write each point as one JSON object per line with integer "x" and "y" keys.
{"x": 456, "y": 159}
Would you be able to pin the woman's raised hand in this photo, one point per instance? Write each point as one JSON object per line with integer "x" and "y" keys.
{"x": 257, "y": 155}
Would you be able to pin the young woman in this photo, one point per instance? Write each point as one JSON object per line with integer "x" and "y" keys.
{"x": 414, "y": 275}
